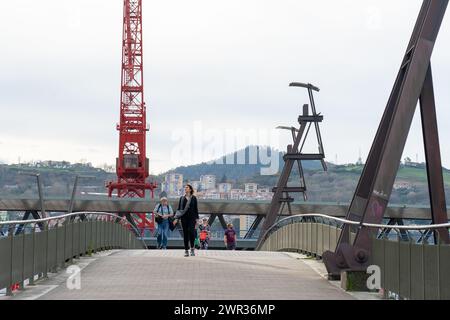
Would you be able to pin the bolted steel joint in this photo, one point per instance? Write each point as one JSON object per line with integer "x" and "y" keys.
{"x": 361, "y": 256}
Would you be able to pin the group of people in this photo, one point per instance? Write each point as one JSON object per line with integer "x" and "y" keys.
{"x": 195, "y": 234}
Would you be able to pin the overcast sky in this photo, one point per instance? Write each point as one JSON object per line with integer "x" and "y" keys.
{"x": 226, "y": 64}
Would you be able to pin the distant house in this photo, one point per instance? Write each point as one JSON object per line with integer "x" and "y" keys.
{"x": 208, "y": 182}
{"x": 245, "y": 223}
{"x": 250, "y": 187}
{"x": 212, "y": 195}
{"x": 225, "y": 187}
{"x": 414, "y": 164}
{"x": 236, "y": 194}
{"x": 172, "y": 184}
{"x": 403, "y": 185}
{"x": 264, "y": 190}
{"x": 197, "y": 185}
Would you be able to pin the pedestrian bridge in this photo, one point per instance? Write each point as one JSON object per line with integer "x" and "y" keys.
{"x": 99, "y": 257}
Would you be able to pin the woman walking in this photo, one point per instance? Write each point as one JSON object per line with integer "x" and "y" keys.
{"x": 188, "y": 214}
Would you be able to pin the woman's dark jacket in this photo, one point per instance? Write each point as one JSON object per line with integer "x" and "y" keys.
{"x": 192, "y": 213}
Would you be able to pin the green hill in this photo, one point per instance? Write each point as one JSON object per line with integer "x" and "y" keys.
{"x": 336, "y": 185}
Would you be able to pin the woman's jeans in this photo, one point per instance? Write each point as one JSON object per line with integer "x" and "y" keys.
{"x": 189, "y": 233}
{"x": 163, "y": 231}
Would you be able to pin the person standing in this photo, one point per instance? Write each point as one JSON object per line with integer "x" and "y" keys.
{"x": 230, "y": 237}
{"x": 187, "y": 212}
{"x": 205, "y": 234}
{"x": 162, "y": 212}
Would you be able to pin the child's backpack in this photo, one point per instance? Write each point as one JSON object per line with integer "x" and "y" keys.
{"x": 203, "y": 235}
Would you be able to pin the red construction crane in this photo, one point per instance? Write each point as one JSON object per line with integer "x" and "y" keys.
{"x": 132, "y": 165}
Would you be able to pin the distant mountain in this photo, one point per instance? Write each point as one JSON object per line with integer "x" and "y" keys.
{"x": 241, "y": 169}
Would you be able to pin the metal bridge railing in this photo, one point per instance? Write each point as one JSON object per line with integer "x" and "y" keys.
{"x": 28, "y": 255}
{"x": 409, "y": 270}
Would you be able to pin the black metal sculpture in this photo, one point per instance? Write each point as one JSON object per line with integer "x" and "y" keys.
{"x": 294, "y": 155}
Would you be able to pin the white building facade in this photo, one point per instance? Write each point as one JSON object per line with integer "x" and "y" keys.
{"x": 250, "y": 187}
{"x": 245, "y": 222}
{"x": 225, "y": 187}
{"x": 196, "y": 185}
{"x": 208, "y": 182}
{"x": 173, "y": 184}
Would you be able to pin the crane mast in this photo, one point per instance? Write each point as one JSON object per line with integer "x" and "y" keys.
{"x": 132, "y": 165}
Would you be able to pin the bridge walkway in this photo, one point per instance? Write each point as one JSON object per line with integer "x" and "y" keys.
{"x": 168, "y": 275}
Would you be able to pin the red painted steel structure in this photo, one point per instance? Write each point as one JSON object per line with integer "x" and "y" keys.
{"x": 132, "y": 164}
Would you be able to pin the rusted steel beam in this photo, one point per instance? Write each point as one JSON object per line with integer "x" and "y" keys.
{"x": 433, "y": 157}
{"x": 375, "y": 185}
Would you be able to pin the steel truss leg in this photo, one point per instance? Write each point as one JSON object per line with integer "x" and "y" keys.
{"x": 212, "y": 218}
{"x": 254, "y": 226}
{"x": 130, "y": 219}
{"x": 425, "y": 236}
{"x": 26, "y": 216}
{"x": 222, "y": 221}
{"x": 394, "y": 221}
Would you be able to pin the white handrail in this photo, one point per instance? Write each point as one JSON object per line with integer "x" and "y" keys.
{"x": 23, "y": 222}
{"x": 361, "y": 224}
{"x": 2, "y": 223}
{"x": 369, "y": 225}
